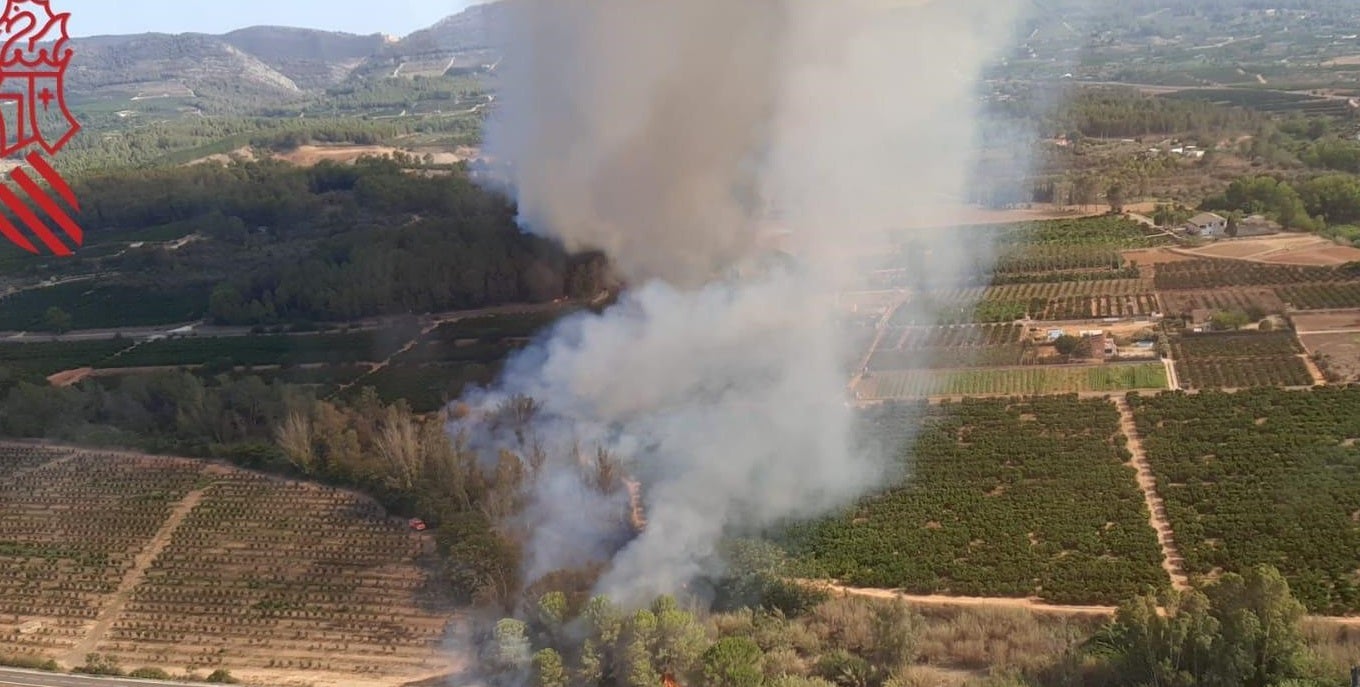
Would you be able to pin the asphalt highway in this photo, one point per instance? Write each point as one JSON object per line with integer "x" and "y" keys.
{"x": 14, "y": 677}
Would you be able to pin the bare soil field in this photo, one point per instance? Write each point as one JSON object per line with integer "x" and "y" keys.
{"x": 1324, "y": 255}
{"x": 1148, "y": 259}
{"x": 1155, "y": 256}
{"x": 1340, "y": 354}
{"x": 1327, "y": 321}
{"x": 189, "y": 565}
{"x": 1265, "y": 298}
{"x": 1280, "y": 250}
{"x": 976, "y": 216}
{"x": 309, "y": 155}
{"x": 225, "y": 158}
{"x": 1237, "y": 250}
{"x": 70, "y": 377}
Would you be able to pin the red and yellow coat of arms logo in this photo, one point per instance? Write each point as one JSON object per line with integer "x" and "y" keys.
{"x": 34, "y": 118}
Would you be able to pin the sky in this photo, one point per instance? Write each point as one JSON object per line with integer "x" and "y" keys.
{"x": 397, "y": 17}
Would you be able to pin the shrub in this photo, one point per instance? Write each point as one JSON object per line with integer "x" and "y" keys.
{"x": 147, "y": 673}
{"x": 100, "y": 664}
{"x": 222, "y": 676}
{"x": 28, "y": 662}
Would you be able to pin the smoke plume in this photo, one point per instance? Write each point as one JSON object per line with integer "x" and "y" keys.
{"x": 689, "y": 139}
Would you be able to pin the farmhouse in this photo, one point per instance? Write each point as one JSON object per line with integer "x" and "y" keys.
{"x": 1257, "y": 225}
{"x": 1199, "y": 319}
{"x": 1096, "y": 343}
{"x": 1207, "y": 225}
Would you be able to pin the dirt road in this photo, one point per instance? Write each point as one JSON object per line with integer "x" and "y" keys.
{"x": 1172, "y": 562}
{"x": 113, "y": 606}
{"x": 1032, "y": 605}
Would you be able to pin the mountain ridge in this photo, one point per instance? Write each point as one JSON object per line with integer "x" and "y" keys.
{"x": 269, "y": 65}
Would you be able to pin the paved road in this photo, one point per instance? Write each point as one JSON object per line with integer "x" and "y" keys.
{"x": 13, "y": 677}
{"x": 204, "y": 330}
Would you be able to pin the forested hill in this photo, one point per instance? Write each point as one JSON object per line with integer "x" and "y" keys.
{"x": 270, "y": 242}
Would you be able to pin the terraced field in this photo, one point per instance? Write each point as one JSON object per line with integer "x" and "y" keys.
{"x": 1239, "y": 360}
{"x": 172, "y": 563}
{"x": 950, "y": 346}
{"x": 1037, "y": 379}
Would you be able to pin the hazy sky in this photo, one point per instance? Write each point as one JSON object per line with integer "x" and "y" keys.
{"x": 399, "y": 17}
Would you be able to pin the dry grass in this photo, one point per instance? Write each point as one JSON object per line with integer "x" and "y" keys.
{"x": 999, "y": 639}
{"x": 1335, "y": 647}
{"x": 309, "y": 155}
{"x": 950, "y": 646}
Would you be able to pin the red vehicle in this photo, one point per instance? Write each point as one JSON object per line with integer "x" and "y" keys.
{"x": 416, "y": 524}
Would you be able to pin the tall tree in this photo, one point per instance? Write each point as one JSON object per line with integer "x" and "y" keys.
{"x": 548, "y": 670}
{"x": 1084, "y": 190}
{"x": 1115, "y": 195}
{"x": 1163, "y": 639}
{"x": 680, "y": 639}
{"x": 1260, "y": 644}
{"x": 635, "y": 656}
{"x": 733, "y": 662}
{"x": 57, "y": 320}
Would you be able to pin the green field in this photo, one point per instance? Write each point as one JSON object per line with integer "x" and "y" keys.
{"x": 427, "y": 388}
{"x": 106, "y": 305}
{"x": 1003, "y": 497}
{"x": 283, "y": 349}
{"x": 1263, "y": 476}
{"x": 48, "y": 358}
{"x": 1034, "y": 380}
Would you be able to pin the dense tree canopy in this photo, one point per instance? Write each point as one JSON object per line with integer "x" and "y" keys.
{"x": 277, "y": 243}
{"x": 1242, "y": 631}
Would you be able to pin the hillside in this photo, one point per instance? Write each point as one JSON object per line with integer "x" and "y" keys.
{"x": 267, "y": 66}
{"x": 187, "y": 66}
{"x": 464, "y": 41}
{"x": 312, "y": 59}
{"x": 134, "y": 566}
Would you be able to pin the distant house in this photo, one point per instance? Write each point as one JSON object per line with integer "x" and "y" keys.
{"x": 1257, "y": 225}
{"x": 1207, "y": 225}
{"x": 1100, "y": 345}
{"x": 1199, "y": 319}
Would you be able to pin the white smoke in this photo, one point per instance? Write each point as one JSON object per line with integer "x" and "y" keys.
{"x": 676, "y": 135}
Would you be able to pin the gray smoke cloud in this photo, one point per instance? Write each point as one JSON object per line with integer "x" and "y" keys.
{"x": 679, "y": 136}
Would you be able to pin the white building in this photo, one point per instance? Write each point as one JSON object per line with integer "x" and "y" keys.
{"x": 1207, "y": 225}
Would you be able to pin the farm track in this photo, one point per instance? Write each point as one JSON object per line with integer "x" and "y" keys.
{"x": 963, "y": 601}
{"x": 13, "y": 476}
{"x": 1173, "y": 382}
{"x": 1023, "y": 604}
{"x": 219, "y": 332}
{"x": 378, "y": 367}
{"x": 959, "y": 398}
{"x": 882, "y": 329}
{"x": 1318, "y": 378}
{"x": 1172, "y": 561}
{"x": 113, "y": 607}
